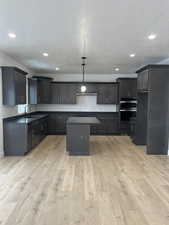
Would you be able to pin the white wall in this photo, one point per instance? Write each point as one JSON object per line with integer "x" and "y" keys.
{"x": 87, "y": 103}
{"x": 4, "y": 110}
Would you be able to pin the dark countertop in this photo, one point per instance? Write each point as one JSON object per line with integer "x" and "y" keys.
{"x": 83, "y": 120}
{"x": 87, "y": 112}
{"x": 31, "y": 118}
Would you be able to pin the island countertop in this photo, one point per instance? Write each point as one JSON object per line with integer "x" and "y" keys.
{"x": 83, "y": 120}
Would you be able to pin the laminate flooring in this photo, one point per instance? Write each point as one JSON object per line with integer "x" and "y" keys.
{"x": 118, "y": 184}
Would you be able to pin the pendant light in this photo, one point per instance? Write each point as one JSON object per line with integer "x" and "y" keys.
{"x": 83, "y": 86}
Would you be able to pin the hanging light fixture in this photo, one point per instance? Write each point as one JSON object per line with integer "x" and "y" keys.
{"x": 83, "y": 86}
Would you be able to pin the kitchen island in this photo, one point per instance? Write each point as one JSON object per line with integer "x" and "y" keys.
{"x": 78, "y": 135}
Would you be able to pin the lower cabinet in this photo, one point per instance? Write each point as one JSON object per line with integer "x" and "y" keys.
{"x": 38, "y": 131}
{"x": 109, "y": 122}
{"x": 21, "y": 138}
{"x": 127, "y": 128}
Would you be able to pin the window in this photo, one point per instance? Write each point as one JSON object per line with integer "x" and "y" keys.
{"x": 22, "y": 108}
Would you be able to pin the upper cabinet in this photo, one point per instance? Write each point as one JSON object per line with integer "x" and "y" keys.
{"x": 107, "y": 93}
{"x": 127, "y": 87}
{"x": 39, "y": 90}
{"x": 143, "y": 81}
{"x": 63, "y": 93}
{"x": 14, "y": 86}
{"x": 43, "y": 91}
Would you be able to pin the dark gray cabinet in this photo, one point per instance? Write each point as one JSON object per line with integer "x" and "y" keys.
{"x": 127, "y": 87}
{"x": 108, "y": 125}
{"x": 14, "y": 86}
{"x": 63, "y": 93}
{"x": 39, "y": 90}
{"x": 39, "y": 131}
{"x": 43, "y": 91}
{"x": 107, "y": 93}
{"x": 109, "y": 122}
{"x": 77, "y": 139}
{"x": 57, "y": 122}
{"x": 20, "y": 138}
{"x": 16, "y": 138}
{"x": 28, "y": 136}
{"x": 140, "y": 137}
{"x": 143, "y": 81}
{"x": 44, "y": 88}
{"x": 153, "y": 109}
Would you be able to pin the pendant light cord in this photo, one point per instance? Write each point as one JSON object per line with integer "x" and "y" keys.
{"x": 83, "y": 67}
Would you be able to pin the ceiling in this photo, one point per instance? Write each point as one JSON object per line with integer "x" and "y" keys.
{"x": 111, "y": 30}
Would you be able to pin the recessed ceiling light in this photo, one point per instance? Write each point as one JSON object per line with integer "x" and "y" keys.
{"x": 45, "y": 54}
{"x": 152, "y": 36}
{"x": 132, "y": 55}
{"x": 57, "y": 68}
{"x": 117, "y": 69}
{"x": 12, "y": 35}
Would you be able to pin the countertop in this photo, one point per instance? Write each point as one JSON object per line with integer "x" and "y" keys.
{"x": 83, "y": 120}
{"x": 31, "y": 118}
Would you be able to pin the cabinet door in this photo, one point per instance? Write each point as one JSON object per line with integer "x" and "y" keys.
{"x": 61, "y": 123}
{"x": 108, "y": 126}
{"x": 128, "y": 88}
{"x": 91, "y": 88}
{"x": 56, "y": 93}
{"x": 43, "y": 93}
{"x": 36, "y": 133}
{"x": 33, "y": 138}
{"x": 141, "y": 119}
{"x": 143, "y": 81}
{"x": 107, "y": 94}
{"x": 132, "y": 89}
{"x": 43, "y": 128}
{"x": 63, "y": 93}
{"x": 20, "y": 88}
{"x": 52, "y": 123}
{"x": 32, "y": 91}
{"x": 29, "y": 136}
{"x": 57, "y": 123}
{"x": 45, "y": 125}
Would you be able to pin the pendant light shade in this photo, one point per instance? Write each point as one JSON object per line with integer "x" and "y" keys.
{"x": 83, "y": 87}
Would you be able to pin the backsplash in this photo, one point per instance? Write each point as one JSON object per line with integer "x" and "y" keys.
{"x": 85, "y": 103}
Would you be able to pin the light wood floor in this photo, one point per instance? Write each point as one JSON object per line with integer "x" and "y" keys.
{"x": 117, "y": 185}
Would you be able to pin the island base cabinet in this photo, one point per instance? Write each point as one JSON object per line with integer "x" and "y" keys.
{"x": 78, "y": 139}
